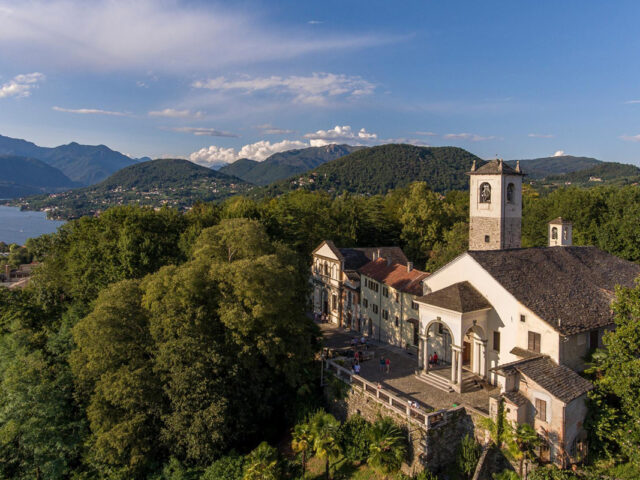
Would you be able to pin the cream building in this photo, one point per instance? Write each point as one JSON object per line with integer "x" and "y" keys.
{"x": 388, "y": 292}
{"x": 335, "y": 280}
{"x": 520, "y": 318}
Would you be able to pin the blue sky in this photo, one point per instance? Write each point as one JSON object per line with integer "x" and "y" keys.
{"x": 219, "y": 81}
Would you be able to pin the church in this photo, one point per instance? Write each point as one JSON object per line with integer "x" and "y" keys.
{"x": 523, "y": 319}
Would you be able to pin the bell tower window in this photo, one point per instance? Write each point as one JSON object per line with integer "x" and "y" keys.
{"x": 511, "y": 188}
{"x": 554, "y": 233}
{"x": 485, "y": 193}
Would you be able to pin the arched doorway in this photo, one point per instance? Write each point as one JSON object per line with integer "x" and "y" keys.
{"x": 438, "y": 341}
{"x": 474, "y": 350}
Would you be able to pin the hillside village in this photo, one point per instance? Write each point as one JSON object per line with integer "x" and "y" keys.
{"x": 507, "y": 325}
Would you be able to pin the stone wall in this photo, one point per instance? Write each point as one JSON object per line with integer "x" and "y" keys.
{"x": 481, "y": 226}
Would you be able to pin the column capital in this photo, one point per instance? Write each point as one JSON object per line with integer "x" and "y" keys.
{"x": 422, "y": 336}
{"x": 456, "y": 348}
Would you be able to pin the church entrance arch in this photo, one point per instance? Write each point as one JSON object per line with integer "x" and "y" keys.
{"x": 474, "y": 353}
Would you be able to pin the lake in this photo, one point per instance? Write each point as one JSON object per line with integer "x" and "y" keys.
{"x": 17, "y": 226}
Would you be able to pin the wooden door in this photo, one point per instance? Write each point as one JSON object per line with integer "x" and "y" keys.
{"x": 466, "y": 353}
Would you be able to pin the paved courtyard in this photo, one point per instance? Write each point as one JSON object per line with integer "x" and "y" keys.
{"x": 401, "y": 378}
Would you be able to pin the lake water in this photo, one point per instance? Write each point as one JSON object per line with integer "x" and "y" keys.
{"x": 17, "y": 226}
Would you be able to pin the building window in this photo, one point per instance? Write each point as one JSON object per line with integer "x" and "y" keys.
{"x": 593, "y": 339}
{"x": 334, "y": 302}
{"x": 376, "y": 287}
{"x": 523, "y": 318}
{"x": 496, "y": 341}
{"x": 414, "y": 305}
{"x": 554, "y": 233}
{"x": 565, "y": 233}
{"x": 511, "y": 190}
{"x": 485, "y": 193}
{"x": 397, "y": 296}
{"x": 541, "y": 410}
{"x": 375, "y": 308}
{"x": 487, "y": 239}
{"x": 397, "y": 321}
{"x": 365, "y": 303}
{"x": 385, "y": 291}
{"x": 385, "y": 314}
{"x": 534, "y": 342}
{"x": 326, "y": 269}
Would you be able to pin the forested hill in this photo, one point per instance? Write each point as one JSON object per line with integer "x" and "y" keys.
{"x": 84, "y": 164}
{"x": 21, "y": 176}
{"x": 285, "y": 164}
{"x": 173, "y": 182}
{"x": 383, "y": 168}
{"x": 609, "y": 172}
{"x": 536, "y": 168}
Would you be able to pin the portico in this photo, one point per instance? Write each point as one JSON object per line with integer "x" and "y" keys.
{"x": 453, "y": 325}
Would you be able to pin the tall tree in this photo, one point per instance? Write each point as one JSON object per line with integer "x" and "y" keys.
{"x": 325, "y": 430}
{"x": 387, "y": 448}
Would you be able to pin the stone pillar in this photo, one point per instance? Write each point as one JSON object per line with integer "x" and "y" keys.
{"x": 425, "y": 354}
{"x": 459, "y": 371}
{"x": 483, "y": 359}
{"x": 476, "y": 361}
{"x": 454, "y": 361}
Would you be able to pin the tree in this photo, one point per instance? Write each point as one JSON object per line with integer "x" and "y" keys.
{"x": 614, "y": 421}
{"x": 302, "y": 442}
{"x": 388, "y": 446}
{"x": 506, "y": 475}
{"x": 468, "y": 455}
{"x": 355, "y": 437}
{"x": 229, "y": 467}
{"x": 324, "y": 428}
{"x": 262, "y": 464}
{"x": 526, "y": 439}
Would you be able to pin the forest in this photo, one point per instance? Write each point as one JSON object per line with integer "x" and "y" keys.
{"x": 155, "y": 344}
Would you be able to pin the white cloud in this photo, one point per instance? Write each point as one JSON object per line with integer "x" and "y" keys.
{"x": 340, "y": 134}
{"x": 631, "y": 138}
{"x": 159, "y": 35}
{"x": 173, "y": 113}
{"x": 472, "y": 137}
{"x": 269, "y": 129}
{"x": 631, "y": 102}
{"x": 559, "y": 153}
{"x": 540, "y": 135}
{"x": 315, "y": 22}
{"x": 201, "y": 131}
{"x": 314, "y": 89}
{"x": 90, "y": 111}
{"x": 21, "y": 85}
{"x": 426, "y": 134}
{"x": 215, "y": 156}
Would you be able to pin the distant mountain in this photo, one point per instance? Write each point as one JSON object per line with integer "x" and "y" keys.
{"x": 85, "y": 164}
{"x": 604, "y": 172}
{"x": 171, "y": 182}
{"x": 380, "y": 169}
{"x": 536, "y": 168}
{"x": 21, "y": 176}
{"x": 285, "y": 164}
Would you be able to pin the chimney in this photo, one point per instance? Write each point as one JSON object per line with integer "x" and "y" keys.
{"x": 409, "y": 266}
{"x": 518, "y": 166}
{"x": 7, "y": 273}
{"x": 378, "y": 254}
{"x": 473, "y": 166}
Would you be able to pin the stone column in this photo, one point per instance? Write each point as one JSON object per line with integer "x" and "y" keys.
{"x": 454, "y": 361}
{"x": 477, "y": 354}
{"x": 425, "y": 354}
{"x": 483, "y": 359}
{"x": 459, "y": 371}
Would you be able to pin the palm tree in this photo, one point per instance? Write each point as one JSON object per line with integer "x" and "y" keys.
{"x": 526, "y": 438}
{"x": 387, "y": 448}
{"x": 302, "y": 442}
{"x": 324, "y": 430}
{"x": 262, "y": 464}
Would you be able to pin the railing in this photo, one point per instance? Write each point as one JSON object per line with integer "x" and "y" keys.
{"x": 388, "y": 399}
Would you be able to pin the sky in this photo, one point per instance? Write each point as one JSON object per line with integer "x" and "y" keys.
{"x": 214, "y": 82}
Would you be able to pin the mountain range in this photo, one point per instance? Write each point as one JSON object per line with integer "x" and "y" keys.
{"x": 82, "y": 164}
{"x": 285, "y": 164}
{"x": 22, "y": 176}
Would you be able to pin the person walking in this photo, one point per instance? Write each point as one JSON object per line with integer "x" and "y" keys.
{"x": 387, "y": 364}
{"x": 382, "y": 364}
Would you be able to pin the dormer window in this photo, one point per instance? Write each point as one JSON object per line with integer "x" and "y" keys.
{"x": 554, "y": 233}
{"x": 485, "y": 193}
{"x": 511, "y": 189}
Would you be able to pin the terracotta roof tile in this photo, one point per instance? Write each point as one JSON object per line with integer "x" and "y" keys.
{"x": 354, "y": 258}
{"x": 395, "y": 276}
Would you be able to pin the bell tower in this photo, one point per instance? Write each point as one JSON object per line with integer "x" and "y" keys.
{"x": 495, "y": 208}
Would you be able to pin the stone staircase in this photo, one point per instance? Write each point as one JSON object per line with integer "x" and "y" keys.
{"x": 435, "y": 380}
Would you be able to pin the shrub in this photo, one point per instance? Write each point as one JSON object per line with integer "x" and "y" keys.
{"x": 225, "y": 468}
{"x": 468, "y": 455}
{"x": 354, "y": 438}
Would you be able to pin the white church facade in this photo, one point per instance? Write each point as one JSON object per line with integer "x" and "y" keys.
{"x": 522, "y": 319}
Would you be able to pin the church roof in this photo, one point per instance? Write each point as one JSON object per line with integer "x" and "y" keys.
{"x": 570, "y": 288}
{"x": 494, "y": 167}
{"x": 459, "y": 297}
{"x": 395, "y": 276}
{"x": 354, "y": 258}
{"x": 560, "y": 381}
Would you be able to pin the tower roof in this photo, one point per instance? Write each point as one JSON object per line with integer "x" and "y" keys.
{"x": 495, "y": 167}
{"x": 560, "y": 221}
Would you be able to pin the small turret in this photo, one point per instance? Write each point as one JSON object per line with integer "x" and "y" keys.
{"x": 560, "y": 233}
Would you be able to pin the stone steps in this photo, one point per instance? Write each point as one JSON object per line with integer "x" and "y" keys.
{"x": 436, "y": 381}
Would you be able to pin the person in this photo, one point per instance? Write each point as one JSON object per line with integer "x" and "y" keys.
{"x": 363, "y": 341}
{"x": 435, "y": 358}
{"x": 354, "y": 342}
{"x": 379, "y": 386}
{"x": 356, "y": 369}
{"x": 357, "y": 356}
{"x": 387, "y": 364}
{"x": 382, "y": 364}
